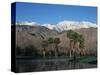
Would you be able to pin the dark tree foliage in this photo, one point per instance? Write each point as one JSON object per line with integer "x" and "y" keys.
{"x": 27, "y": 51}
{"x": 50, "y": 40}
{"x": 18, "y": 50}
{"x": 31, "y": 51}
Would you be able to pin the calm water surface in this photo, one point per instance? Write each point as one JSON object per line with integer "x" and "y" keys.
{"x": 27, "y": 65}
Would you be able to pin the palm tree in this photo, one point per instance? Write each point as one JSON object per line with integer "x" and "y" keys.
{"x": 56, "y": 41}
{"x": 51, "y": 41}
{"x": 71, "y": 45}
{"x": 44, "y": 45}
{"x": 76, "y": 41}
{"x": 81, "y": 45}
{"x": 70, "y": 35}
{"x": 81, "y": 40}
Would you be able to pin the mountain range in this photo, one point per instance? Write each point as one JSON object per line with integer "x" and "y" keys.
{"x": 34, "y": 34}
{"x": 62, "y": 26}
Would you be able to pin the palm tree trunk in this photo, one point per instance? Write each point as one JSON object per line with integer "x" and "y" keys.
{"x": 71, "y": 48}
{"x": 44, "y": 53}
{"x": 70, "y": 54}
{"x": 56, "y": 47}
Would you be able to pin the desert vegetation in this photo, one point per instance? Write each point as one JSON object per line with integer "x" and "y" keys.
{"x": 52, "y": 50}
{"x": 50, "y": 47}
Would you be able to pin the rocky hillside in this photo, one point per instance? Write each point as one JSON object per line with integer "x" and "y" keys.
{"x": 90, "y": 36}
{"x": 34, "y": 35}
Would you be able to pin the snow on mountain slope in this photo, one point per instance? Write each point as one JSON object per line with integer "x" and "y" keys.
{"x": 27, "y": 23}
{"x": 63, "y": 25}
{"x": 67, "y": 25}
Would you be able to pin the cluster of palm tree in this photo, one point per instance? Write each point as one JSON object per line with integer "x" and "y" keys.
{"x": 48, "y": 42}
{"x": 76, "y": 42}
{"x": 50, "y": 46}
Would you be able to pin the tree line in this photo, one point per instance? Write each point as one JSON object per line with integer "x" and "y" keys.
{"x": 76, "y": 45}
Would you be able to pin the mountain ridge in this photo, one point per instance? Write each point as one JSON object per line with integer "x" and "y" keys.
{"x": 63, "y": 25}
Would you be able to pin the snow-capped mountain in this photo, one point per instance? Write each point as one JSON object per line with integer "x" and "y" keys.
{"x": 26, "y": 23}
{"x": 63, "y": 25}
{"x": 67, "y": 25}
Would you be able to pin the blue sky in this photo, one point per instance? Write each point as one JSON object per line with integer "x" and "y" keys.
{"x": 50, "y": 13}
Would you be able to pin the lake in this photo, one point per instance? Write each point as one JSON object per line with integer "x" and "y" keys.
{"x": 36, "y": 65}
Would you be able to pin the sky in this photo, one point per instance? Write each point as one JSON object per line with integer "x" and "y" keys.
{"x": 50, "y": 13}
